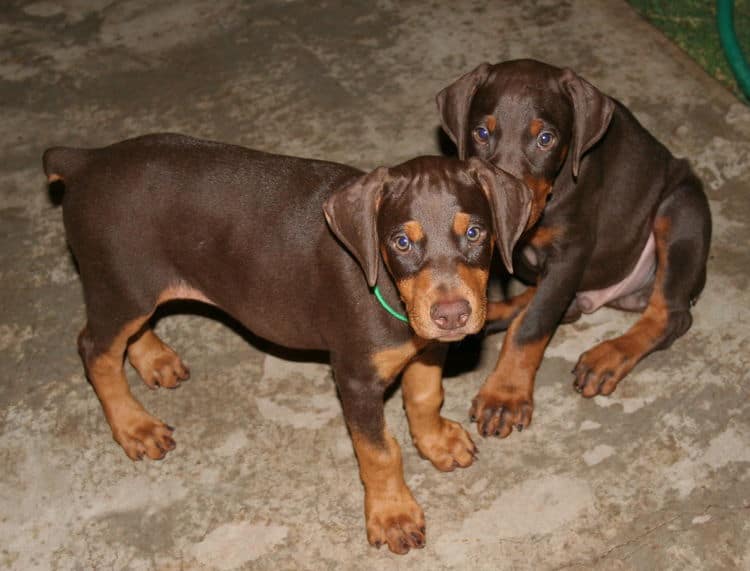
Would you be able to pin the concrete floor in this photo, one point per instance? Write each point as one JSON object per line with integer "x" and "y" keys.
{"x": 655, "y": 477}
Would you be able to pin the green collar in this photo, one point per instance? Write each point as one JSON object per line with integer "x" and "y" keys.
{"x": 387, "y": 307}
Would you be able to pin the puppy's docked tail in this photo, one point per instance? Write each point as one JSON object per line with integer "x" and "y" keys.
{"x": 60, "y": 163}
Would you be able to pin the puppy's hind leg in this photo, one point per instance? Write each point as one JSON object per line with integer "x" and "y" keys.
{"x": 683, "y": 233}
{"x": 156, "y": 362}
{"x": 103, "y": 351}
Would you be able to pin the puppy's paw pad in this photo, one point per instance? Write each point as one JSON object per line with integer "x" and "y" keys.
{"x": 448, "y": 448}
{"x": 143, "y": 435}
{"x": 599, "y": 370}
{"x": 160, "y": 366}
{"x": 401, "y": 529}
{"x": 497, "y": 414}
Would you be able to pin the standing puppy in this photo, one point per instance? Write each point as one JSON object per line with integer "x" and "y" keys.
{"x": 165, "y": 216}
{"x": 616, "y": 220}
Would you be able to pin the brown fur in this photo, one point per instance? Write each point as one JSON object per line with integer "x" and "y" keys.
{"x": 593, "y": 212}
{"x": 329, "y": 226}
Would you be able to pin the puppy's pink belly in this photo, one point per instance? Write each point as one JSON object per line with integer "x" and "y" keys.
{"x": 591, "y": 300}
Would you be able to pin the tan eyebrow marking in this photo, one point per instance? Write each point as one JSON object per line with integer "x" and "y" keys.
{"x": 413, "y": 230}
{"x": 461, "y": 223}
{"x": 491, "y": 123}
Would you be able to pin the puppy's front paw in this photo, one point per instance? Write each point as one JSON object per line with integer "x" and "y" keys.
{"x": 498, "y": 413}
{"x": 447, "y": 448}
{"x": 397, "y": 521}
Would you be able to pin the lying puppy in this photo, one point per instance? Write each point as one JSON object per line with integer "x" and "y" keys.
{"x": 165, "y": 216}
{"x": 616, "y": 220}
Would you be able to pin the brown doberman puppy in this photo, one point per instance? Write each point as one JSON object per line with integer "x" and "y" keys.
{"x": 616, "y": 220}
{"x": 166, "y": 216}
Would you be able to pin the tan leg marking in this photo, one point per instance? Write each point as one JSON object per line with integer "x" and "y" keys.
{"x": 600, "y": 369}
{"x": 156, "y": 362}
{"x": 390, "y": 362}
{"x": 392, "y": 515}
{"x": 509, "y": 309}
{"x": 443, "y": 442}
{"x": 138, "y": 432}
{"x": 506, "y": 400}
{"x": 133, "y": 428}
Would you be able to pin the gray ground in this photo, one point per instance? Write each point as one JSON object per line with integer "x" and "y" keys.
{"x": 655, "y": 477}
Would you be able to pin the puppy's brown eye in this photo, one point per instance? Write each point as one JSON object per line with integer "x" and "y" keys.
{"x": 481, "y": 135}
{"x": 545, "y": 139}
{"x": 473, "y": 233}
{"x": 402, "y": 242}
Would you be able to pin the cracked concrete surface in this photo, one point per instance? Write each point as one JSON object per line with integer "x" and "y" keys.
{"x": 655, "y": 477}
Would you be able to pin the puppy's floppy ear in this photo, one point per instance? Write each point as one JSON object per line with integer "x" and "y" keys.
{"x": 593, "y": 113}
{"x": 453, "y": 105}
{"x": 510, "y": 201}
{"x": 351, "y": 213}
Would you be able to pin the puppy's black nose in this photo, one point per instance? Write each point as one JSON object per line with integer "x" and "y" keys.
{"x": 451, "y": 314}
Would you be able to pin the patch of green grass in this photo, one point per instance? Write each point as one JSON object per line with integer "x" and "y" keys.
{"x": 691, "y": 24}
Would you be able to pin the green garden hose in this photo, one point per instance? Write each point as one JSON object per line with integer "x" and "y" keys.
{"x": 732, "y": 49}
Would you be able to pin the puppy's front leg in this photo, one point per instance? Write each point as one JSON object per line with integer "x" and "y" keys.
{"x": 443, "y": 442}
{"x": 506, "y": 400}
{"x": 392, "y": 515}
